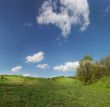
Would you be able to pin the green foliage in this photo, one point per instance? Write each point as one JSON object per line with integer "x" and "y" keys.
{"x": 2, "y": 77}
{"x": 105, "y": 62}
{"x": 90, "y": 71}
{"x": 85, "y": 70}
{"x": 89, "y": 58}
{"x": 99, "y": 71}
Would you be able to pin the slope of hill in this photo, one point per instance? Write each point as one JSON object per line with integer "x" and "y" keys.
{"x": 16, "y": 91}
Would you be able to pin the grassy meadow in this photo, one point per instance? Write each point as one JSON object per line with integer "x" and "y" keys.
{"x": 18, "y": 91}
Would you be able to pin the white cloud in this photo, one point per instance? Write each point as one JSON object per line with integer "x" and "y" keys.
{"x": 53, "y": 76}
{"x": 27, "y": 75}
{"x": 43, "y": 66}
{"x": 37, "y": 57}
{"x": 68, "y": 66}
{"x": 16, "y": 69}
{"x": 65, "y": 14}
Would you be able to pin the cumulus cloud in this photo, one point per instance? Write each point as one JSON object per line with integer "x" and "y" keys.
{"x": 16, "y": 69}
{"x": 68, "y": 66}
{"x": 27, "y": 75}
{"x": 37, "y": 57}
{"x": 64, "y": 14}
{"x": 53, "y": 76}
{"x": 43, "y": 66}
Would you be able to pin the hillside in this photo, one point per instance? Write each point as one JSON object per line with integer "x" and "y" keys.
{"x": 16, "y": 91}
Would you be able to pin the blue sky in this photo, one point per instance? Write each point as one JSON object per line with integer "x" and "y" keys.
{"x": 21, "y": 36}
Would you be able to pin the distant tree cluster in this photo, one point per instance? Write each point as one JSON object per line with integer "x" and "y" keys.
{"x": 89, "y": 70}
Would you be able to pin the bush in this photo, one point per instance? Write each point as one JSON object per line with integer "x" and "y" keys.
{"x": 2, "y": 77}
{"x": 90, "y": 71}
{"x": 85, "y": 70}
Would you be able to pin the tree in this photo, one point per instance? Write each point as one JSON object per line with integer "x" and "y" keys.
{"x": 99, "y": 71}
{"x": 105, "y": 63}
{"x": 85, "y": 70}
{"x": 2, "y": 77}
{"x": 90, "y": 71}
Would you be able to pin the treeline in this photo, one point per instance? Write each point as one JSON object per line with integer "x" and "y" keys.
{"x": 90, "y": 70}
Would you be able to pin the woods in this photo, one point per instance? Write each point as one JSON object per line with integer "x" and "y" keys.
{"x": 90, "y": 70}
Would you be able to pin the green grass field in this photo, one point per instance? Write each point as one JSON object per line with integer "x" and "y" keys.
{"x": 16, "y": 91}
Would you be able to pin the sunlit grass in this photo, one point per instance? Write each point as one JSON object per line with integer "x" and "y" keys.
{"x": 18, "y": 91}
